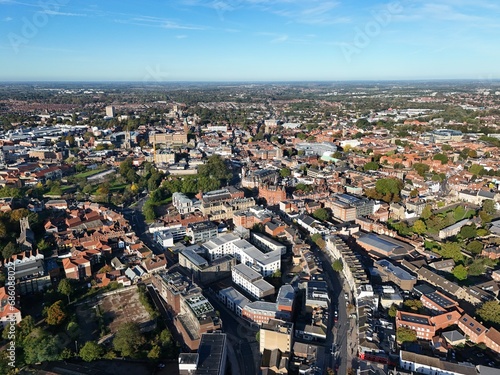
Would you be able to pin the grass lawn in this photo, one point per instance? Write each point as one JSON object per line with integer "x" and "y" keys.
{"x": 89, "y": 173}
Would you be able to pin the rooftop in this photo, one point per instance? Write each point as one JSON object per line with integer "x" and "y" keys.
{"x": 399, "y": 272}
{"x": 211, "y": 353}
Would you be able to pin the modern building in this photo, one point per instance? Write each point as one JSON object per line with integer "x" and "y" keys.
{"x": 438, "y": 301}
{"x": 426, "y": 326}
{"x": 245, "y": 252}
{"x": 201, "y": 231}
{"x": 381, "y": 246}
{"x": 193, "y": 314}
{"x": 211, "y": 357}
{"x": 110, "y": 111}
{"x": 317, "y": 294}
{"x": 395, "y": 274}
{"x": 251, "y": 281}
{"x": 276, "y": 334}
{"x": 267, "y": 244}
{"x": 204, "y": 271}
{"x": 234, "y": 300}
{"x": 183, "y": 204}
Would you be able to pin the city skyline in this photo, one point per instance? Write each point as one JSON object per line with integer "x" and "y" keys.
{"x": 248, "y": 40}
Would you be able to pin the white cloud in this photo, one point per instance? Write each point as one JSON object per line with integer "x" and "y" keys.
{"x": 55, "y": 13}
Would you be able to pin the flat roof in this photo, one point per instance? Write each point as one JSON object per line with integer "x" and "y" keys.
{"x": 194, "y": 258}
{"x": 211, "y": 353}
{"x": 398, "y": 271}
{"x": 247, "y": 272}
{"x": 379, "y": 242}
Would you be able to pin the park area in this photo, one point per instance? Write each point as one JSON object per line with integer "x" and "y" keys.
{"x": 100, "y": 317}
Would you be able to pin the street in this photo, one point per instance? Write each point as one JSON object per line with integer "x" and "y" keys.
{"x": 341, "y": 332}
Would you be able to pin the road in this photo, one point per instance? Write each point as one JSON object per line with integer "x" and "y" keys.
{"x": 240, "y": 335}
{"x": 341, "y": 331}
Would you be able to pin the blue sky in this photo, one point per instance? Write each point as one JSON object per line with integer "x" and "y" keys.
{"x": 248, "y": 40}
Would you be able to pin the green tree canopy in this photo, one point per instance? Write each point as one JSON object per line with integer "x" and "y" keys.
{"x": 55, "y": 314}
{"x": 419, "y": 227}
{"x": 426, "y": 212}
{"x": 441, "y": 157}
{"x": 91, "y": 351}
{"x": 475, "y": 247}
{"x": 476, "y": 169}
{"x": 215, "y": 169}
{"x": 477, "y": 267}
{"x": 321, "y": 214}
{"x": 392, "y": 311}
{"x": 9, "y": 250}
{"x": 490, "y": 311}
{"x": 337, "y": 265}
{"x": 413, "y": 304}
{"x": 489, "y": 206}
{"x": 66, "y": 288}
{"x": 468, "y": 231}
{"x": 285, "y": 172}
{"x": 128, "y": 339}
{"x": 460, "y": 272}
{"x": 404, "y": 334}
{"x": 40, "y": 346}
{"x": 451, "y": 250}
{"x": 421, "y": 168}
{"x": 371, "y": 166}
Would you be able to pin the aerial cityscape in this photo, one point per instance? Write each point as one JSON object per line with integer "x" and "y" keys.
{"x": 249, "y": 187}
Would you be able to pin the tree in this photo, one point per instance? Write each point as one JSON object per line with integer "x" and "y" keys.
{"x": 426, "y": 212}
{"x": 55, "y": 314}
{"x": 460, "y": 272}
{"x": 404, "y": 334}
{"x": 318, "y": 240}
{"x": 451, "y": 250}
{"x": 155, "y": 352}
{"x": 476, "y": 169}
{"x": 468, "y": 231}
{"x": 215, "y": 169}
{"x": 476, "y": 268}
{"x": 40, "y": 346}
{"x": 371, "y": 166}
{"x": 475, "y": 247}
{"x": 414, "y": 304}
{"x": 490, "y": 311}
{"x": 321, "y": 214}
{"x": 337, "y": 265}
{"x": 419, "y": 227}
{"x": 91, "y": 351}
{"x": 65, "y": 287}
{"x": 73, "y": 330}
{"x": 128, "y": 339}
{"x": 489, "y": 207}
{"x": 43, "y": 245}
{"x": 285, "y": 172}
{"x": 392, "y": 311}
{"x": 421, "y": 168}
{"x": 441, "y": 157}
{"x": 9, "y": 250}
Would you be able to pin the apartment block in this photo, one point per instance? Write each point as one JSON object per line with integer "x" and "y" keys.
{"x": 251, "y": 281}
